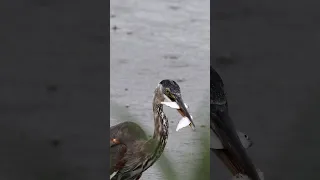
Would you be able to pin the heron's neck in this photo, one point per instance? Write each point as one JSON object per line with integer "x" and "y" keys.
{"x": 161, "y": 126}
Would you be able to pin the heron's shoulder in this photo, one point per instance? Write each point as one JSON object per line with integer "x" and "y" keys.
{"x": 125, "y": 124}
{"x": 128, "y": 129}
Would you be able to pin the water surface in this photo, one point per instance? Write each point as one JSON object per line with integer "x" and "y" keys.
{"x": 154, "y": 40}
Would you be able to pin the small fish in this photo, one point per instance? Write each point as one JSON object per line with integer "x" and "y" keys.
{"x": 173, "y": 105}
{"x": 184, "y": 122}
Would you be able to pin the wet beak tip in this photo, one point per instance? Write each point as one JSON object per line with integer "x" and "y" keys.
{"x": 192, "y": 127}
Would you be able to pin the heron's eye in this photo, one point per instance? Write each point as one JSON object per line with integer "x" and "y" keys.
{"x": 167, "y": 91}
{"x": 169, "y": 94}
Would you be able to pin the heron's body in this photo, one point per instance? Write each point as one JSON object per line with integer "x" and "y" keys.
{"x": 131, "y": 153}
{"x": 233, "y": 153}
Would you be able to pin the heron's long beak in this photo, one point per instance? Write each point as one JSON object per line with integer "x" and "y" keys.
{"x": 233, "y": 155}
{"x": 184, "y": 112}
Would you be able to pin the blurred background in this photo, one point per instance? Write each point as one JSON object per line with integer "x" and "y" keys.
{"x": 267, "y": 55}
{"x": 54, "y": 93}
{"x": 54, "y": 90}
{"x": 153, "y": 40}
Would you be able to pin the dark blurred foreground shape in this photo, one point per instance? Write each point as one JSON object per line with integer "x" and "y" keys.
{"x": 54, "y": 90}
{"x": 232, "y": 152}
{"x": 266, "y": 53}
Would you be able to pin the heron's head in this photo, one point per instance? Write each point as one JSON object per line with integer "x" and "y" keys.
{"x": 171, "y": 94}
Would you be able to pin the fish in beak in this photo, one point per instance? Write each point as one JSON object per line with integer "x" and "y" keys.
{"x": 181, "y": 107}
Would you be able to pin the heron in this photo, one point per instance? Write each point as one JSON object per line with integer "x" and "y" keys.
{"x": 131, "y": 152}
{"x": 225, "y": 141}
